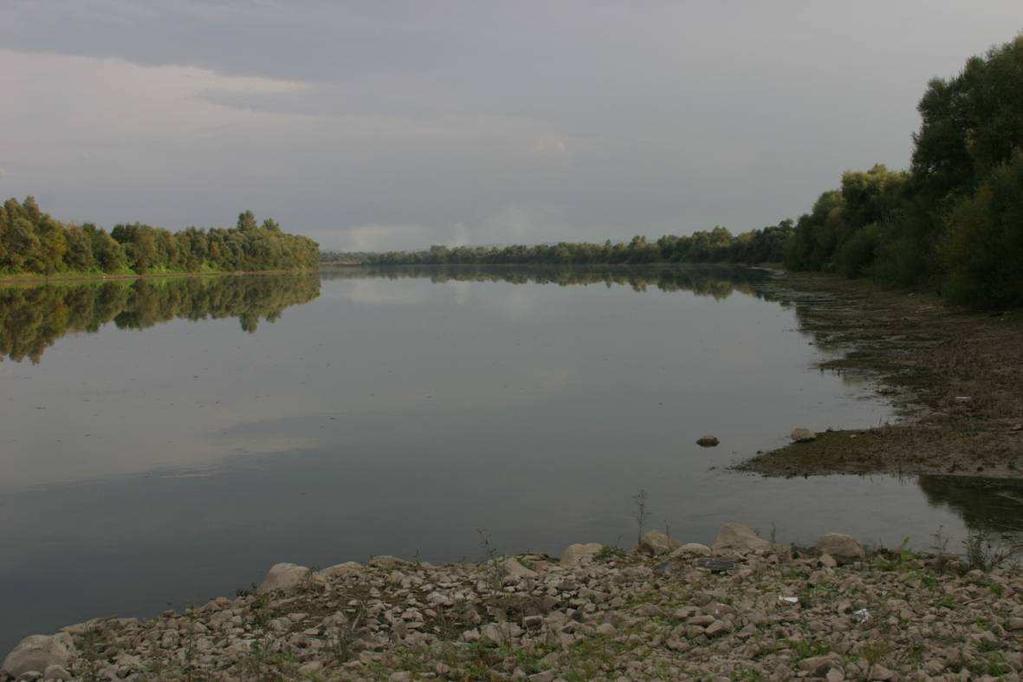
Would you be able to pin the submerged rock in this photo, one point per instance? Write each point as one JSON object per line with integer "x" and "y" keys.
{"x": 708, "y": 441}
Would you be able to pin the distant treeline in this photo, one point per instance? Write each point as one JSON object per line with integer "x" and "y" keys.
{"x": 952, "y": 223}
{"x": 33, "y": 317}
{"x": 33, "y": 242}
{"x": 765, "y": 245}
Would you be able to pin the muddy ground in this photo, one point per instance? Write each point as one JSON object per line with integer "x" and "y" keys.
{"x": 955, "y": 377}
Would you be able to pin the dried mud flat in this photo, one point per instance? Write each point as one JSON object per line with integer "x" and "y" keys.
{"x": 955, "y": 377}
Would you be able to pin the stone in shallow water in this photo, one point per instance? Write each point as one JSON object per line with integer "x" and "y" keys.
{"x": 708, "y": 441}
{"x": 715, "y": 565}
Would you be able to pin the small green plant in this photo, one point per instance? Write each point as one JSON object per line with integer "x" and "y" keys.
{"x": 610, "y": 553}
{"x": 986, "y": 553}
{"x": 808, "y": 649}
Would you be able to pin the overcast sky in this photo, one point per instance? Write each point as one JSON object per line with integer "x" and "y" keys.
{"x": 399, "y": 124}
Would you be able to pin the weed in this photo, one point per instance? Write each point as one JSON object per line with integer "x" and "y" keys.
{"x": 641, "y": 513}
{"x": 986, "y": 553}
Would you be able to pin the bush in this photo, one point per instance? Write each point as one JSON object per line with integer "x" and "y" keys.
{"x": 855, "y": 258}
{"x": 983, "y": 246}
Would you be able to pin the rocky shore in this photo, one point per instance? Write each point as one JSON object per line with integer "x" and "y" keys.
{"x": 741, "y": 609}
{"x": 952, "y": 375}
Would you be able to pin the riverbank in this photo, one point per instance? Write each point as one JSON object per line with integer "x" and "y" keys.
{"x": 744, "y": 608}
{"x": 954, "y": 377}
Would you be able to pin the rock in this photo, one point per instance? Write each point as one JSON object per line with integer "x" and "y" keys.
{"x": 56, "y": 672}
{"x": 715, "y": 565}
{"x": 879, "y": 673}
{"x": 835, "y": 675}
{"x": 739, "y": 538}
{"x": 385, "y": 561}
{"x": 691, "y": 549}
{"x": 828, "y": 561}
{"x": 655, "y": 542}
{"x": 819, "y": 665}
{"x": 801, "y": 435}
{"x": 38, "y": 652}
{"x": 500, "y": 633}
{"x": 578, "y": 554}
{"x": 715, "y": 629}
{"x": 339, "y": 570}
{"x": 708, "y": 441}
{"x": 843, "y": 548}
{"x": 283, "y": 577}
{"x": 513, "y": 568}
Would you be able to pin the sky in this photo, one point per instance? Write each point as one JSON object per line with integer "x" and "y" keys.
{"x": 384, "y": 124}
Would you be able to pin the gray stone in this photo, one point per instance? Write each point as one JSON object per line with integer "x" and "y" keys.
{"x": 283, "y": 577}
{"x": 739, "y": 538}
{"x": 655, "y": 542}
{"x": 715, "y": 565}
{"x": 514, "y": 569}
{"x": 38, "y": 652}
{"x": 579, "y": 554}
{"x": 843, "y": 548}
{"x": 340, "y": 570}
{"x": 56, "y": 672}
{"x": 691, "y": 549}
{"x": 801, "y": 435}
{"x": 385, "y": 561}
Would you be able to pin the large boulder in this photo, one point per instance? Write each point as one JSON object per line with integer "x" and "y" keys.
{"x": 39, "y": 652}
{"x": 842, "y": 548}
{"x": 283, "y": 577}
{"x": 655, "y": 542}
{"x": 578, "y": 554}
{"x": 738, "y": 538}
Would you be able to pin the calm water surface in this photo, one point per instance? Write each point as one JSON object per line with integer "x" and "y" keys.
{"x": 164, "y": 442}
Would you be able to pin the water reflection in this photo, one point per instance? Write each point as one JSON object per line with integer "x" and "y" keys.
{"x": 718, "y": 281}
{"x": 989, "y": 504}
{"x": 32, "y": 318}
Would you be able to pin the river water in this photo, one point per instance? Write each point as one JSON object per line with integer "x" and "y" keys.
{"x": 165, "y": 441}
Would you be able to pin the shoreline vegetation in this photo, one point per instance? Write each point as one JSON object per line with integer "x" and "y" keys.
{"x": 35, "y": 245}
{"x": 743, "y": 608}
{"x": 952, "y": 224}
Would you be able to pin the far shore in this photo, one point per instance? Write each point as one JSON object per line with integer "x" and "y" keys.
{"x": 35, "y": 280}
